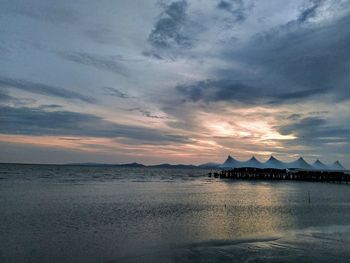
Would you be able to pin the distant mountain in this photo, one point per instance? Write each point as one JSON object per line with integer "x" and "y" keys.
{"x": 177, "y": 166}
{"x": 139, "y": 165}
{"x": 106, "y": 164}
{"x": 231, "y": 162}
{"x": 130, "y": 165}
{"x": 89, "y": 164}
{"x": 209, "y": 165}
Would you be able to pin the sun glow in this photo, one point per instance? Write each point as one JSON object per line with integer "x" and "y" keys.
{"x": 253, "y": 129}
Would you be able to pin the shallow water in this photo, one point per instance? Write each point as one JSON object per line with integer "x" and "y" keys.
{"x": 106, "y": 214}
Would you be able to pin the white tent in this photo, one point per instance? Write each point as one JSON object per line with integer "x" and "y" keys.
{"x": 318, "y": 165}
{"x": 274, "y": 163}
{"x": 337, "y": 166}
{"x": 299, "y": 164}
{"x": 253, "y": 163}
{"x": 231, "y": 163}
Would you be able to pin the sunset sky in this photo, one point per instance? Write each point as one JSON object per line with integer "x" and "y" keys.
{"x": 174, "y": 81}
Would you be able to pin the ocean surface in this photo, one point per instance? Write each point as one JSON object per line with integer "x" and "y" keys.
{"x": 109, "y": 214}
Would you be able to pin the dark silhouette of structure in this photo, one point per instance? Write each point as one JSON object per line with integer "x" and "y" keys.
{"x": 248, "y": 173}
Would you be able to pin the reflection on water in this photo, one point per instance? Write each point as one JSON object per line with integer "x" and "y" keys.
{"x": 121, "y": 215}
{"x": 243, "y": 209}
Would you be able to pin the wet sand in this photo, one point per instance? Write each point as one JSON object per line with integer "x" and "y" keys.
{"x": 329, "y": 244}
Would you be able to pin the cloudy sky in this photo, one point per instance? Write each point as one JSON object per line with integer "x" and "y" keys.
{"x": 186, "y": 81}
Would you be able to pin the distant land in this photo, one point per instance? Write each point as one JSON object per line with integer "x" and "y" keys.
{"x": 132, "y": 165}
{"x": 139, "y": 165}
{"x": 229, "y": 163}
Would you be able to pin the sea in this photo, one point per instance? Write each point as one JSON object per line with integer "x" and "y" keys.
{"x": 53, "y": 213}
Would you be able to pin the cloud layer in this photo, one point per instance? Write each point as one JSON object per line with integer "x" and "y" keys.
{"x": 186, "y": 81}
{"x": 39, "y": 121}
{"x": 42, "y": 89}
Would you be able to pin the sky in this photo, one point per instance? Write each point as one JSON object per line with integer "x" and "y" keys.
{"x": 186, "y": 81}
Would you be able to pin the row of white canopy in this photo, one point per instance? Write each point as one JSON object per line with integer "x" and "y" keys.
{"x": 274, "y": 163}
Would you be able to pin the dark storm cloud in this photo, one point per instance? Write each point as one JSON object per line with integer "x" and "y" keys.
{"x": 38, "y": 121}
{"x": 310, "y": 11}
{"x": 216, "y": 90}
{"x": 42, "y": 89}
{"x": 317, "y": 130}
{"x": 312, "y": 58}
{"x": 304, "y": 63}
{"x": 236, "y": 8}
{"x": 231, "y": 90}
{"x": 169, "y": 30}
{"x": 97, "y": 61}
{"x": 304, "y": 126}
{"x": 315, "y": 8}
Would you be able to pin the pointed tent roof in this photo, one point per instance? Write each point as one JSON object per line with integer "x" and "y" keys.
{"x": 274, "y": 163}
{"x": 231, "y": 163}
{"x": 230, "y": 158}
{"x": 299, "y": 164}
{"x": 337, "y": 166}
{"x": 318, "y": 165}
{"x": 253, "y": 163}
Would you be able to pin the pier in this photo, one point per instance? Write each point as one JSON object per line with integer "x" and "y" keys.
{"x": 283, "y": 174}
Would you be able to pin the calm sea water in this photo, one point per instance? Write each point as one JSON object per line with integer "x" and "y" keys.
{"x": 106, "y": 214}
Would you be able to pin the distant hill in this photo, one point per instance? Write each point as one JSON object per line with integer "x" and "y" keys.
{"x": 88, "y": 164}
{"x": 177, "y": 166}
{"x": 139, "y": 165}
{"x": 209, "y": 165}
{"x": 130, "y": 165}
{"x": 230, "y": 163}
{"x": 106, "y": 164}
